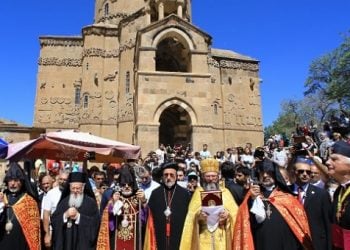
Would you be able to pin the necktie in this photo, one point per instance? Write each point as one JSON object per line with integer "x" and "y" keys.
{"x": 300, "y": 195}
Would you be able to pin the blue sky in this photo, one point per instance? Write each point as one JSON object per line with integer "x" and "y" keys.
{"x": 284, "y": 35}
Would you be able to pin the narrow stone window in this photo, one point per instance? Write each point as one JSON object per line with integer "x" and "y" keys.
{"x": 87, "y": 66}
{"x": 86, "y": 101}
{"x": 106, "y": 9}
{"x": 230, "y": 80}
{"x": 127, "y": 82}
{"x": 215, "y": 108}
{"x": 77, "y": 95}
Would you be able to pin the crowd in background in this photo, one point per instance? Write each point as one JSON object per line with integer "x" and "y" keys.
{"x": 239, "y": 169}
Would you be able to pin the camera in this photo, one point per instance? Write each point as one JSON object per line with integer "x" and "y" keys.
{"x": 91, "y": 155}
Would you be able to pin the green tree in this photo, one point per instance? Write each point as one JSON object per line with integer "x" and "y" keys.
{"x": 330, "y": 75}
{"x": 327, "y": 92}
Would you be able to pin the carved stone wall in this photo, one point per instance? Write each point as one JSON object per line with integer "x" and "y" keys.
{"x": 220, "y": 92}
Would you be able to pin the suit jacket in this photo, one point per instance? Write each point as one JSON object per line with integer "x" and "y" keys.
{"x": 236, "y": 190}
{"x": 317, "y": 205}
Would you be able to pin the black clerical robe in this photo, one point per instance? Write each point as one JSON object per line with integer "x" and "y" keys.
{"x": 22, "y": 211}
{"x": 274, "y": 233}
{"x": 285, "y": 227}
{"x": 82, "y": 236}
{"x": 341, "y": 217}
{"x": 157, "y": 227}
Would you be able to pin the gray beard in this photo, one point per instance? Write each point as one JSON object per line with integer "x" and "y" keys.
{"x": 169, "y": 184}
{"x": 127, "y": 193}
{"x": 211, "y": 186}
{"x": 13, "y": 190}
{"x": 75, "y": 200}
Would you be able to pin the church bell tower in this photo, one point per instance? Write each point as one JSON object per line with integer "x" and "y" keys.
{"x": 113, "y": 11}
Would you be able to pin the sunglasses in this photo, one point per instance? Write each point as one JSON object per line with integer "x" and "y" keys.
{"x": 301, "y": 171}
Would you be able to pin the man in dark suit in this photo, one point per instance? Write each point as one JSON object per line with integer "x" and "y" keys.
{"x": 316, "y": 202}
{"x": 228, "y": 173}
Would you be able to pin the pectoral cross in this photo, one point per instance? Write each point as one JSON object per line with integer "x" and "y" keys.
{"x": 268, "y": 210}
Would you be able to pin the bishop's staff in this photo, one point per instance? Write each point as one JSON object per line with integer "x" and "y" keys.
{"x": 139, "y": 173}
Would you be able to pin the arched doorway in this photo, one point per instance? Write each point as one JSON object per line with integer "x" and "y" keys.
{"x": 175, "y": 126}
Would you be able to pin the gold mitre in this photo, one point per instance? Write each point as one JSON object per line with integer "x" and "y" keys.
{"x": 209, "y": 165}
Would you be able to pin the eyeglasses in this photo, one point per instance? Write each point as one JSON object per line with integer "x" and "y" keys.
{"x": 301, "y": 171}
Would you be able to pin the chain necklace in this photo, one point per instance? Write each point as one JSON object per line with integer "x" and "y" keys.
{"x": 167, "y": 211}
{"x": 9, "y": 224}
{"x": 341, "y": 204}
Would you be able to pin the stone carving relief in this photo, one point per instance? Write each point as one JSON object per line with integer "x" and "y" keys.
{"x": 77, "y": 83}
{"x": 100, "y": 31}
{"x": 56, "y": 110}
{"x": 232, "y": 64}
{"x": 235, "y": 102}
{"x": 67, "y": 100}
{"x": 60, "y": 42}
{"x": 54, "y": 61}
{"x": 126, "y": 112}
{"x": 97, "y": 52}
{"x": 254, "y": 95}
{"x": 234, "y": 108}
{"x": 110, "y": 77}
{"x": 213, "y": 62}
{"x": 119, "y": 16}
{"x": 43, "y": 85}
{"x": 72, "y": 115}
{"x": 44, "y": 116}
{"x": 109, "y": 95}
{"x": 95, "y": 108}
{"x": 53, "y": 100}
{"x": 235, "y": 117}
{"x": 239, "y": 65}
{"x": 58, "y": 118}
{"x": 127, "y": 45}
{"x": 97, "y": 94}
{"x": 43, "y": 100}
{"x": 113, "y": 104}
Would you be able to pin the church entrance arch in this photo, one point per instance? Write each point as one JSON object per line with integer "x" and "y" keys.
{"x": 175, "y": 126}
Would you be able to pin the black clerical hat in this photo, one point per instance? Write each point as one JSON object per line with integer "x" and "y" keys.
{"x": 342, "y": 148}
{"x": 272, "y": 168}
{"x": 77, "y": 177}
{"x": 128, "y": 176}
{"x": 171, "y": 164}
{"x": 14, "y": 172}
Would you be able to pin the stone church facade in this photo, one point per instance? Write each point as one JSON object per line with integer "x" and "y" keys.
{"x": 142, "y": 73}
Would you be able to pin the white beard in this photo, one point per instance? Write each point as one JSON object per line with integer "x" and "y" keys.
{"x": 75, "y": 200}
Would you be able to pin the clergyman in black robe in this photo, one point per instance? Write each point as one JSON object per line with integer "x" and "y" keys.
{"x": 76, "y": 219}
{"x": 19, "y": 212}
{"x": 168, "y": 206}
{"x": 277, "y": 220}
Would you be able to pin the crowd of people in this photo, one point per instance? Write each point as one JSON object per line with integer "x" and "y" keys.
{"x": 271, "y": 197}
